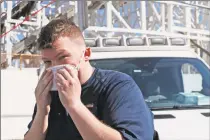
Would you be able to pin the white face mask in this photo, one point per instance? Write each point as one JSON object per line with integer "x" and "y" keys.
{"x": 55, "y": 68}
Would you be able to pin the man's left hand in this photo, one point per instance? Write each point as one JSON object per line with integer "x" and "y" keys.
{"x": 69, "y": 87}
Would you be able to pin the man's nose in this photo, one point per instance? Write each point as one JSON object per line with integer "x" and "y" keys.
{"x": 54, "y": 63}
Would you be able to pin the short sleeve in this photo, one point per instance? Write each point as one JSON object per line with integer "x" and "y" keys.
{"x": 33, "y": 116}
{"x": 126, "y": 111}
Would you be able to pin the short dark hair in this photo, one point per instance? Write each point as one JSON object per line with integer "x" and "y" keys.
{"x": 55, "y": 29}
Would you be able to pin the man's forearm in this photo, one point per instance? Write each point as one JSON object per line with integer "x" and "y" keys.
{"x": 39, "y": 127}
{"x": 89, "y": 126}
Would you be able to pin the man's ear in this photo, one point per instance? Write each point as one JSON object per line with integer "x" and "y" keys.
{"x": 87, "y": 53}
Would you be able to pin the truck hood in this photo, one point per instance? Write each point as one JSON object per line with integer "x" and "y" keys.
{"x": 183, "y": 124}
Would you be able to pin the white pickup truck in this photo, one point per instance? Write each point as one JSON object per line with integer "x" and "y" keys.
{"x": 174, "y": 81}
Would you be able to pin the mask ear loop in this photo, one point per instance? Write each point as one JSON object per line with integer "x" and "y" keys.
{"x": 77, "y": 67}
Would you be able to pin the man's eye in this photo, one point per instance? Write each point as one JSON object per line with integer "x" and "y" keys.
{"x": 47, "y": 62}
{"x": 62, "y": 57}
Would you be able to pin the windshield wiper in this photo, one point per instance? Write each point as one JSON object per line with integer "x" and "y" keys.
{"x": 181, "y": 107}
{"x": 191, "y": 106}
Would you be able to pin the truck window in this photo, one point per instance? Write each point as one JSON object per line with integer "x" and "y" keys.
{"x": 192, "y": 78}
{"x": 165, "y": 82}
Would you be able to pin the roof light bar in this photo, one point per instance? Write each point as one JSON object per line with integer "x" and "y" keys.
{"x": 178, "y": 41}
{"x": 157, "y": 41}
{"x": 135, "y": 41}
{"x": 108, "y": 42}
{"x": 90, "y": 42}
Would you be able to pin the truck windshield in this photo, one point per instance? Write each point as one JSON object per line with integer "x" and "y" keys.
{"x": 165, "y": 82}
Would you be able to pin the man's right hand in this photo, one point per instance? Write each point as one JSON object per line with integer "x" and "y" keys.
{"x": 43, "y": 98}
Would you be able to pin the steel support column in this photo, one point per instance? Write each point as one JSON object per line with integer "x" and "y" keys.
{"x": 163, "y": 27}
{"x": 170, "y": 17}
{"x": 82, "y": 14}
{"x": 143, "y": 15}
{"x": 187, "y": 16}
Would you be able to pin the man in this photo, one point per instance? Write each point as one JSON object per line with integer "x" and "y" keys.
{"x": 91, "y": 103}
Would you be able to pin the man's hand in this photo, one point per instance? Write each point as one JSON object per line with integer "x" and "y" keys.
{"x": 69, "y": 87}
{"x": 43, "y": 98}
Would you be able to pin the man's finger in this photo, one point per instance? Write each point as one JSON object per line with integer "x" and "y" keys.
{"x": 45, "y": 82}
{"x": 47, "y": 74}
{"x": 47, "y": 88}
{"x": 64, "y": 73}
{"x": 60, "y": 79}
{"x": 59, "y": 86}
{"x": 43, "y": 74}
{"x": 72, "y": 71}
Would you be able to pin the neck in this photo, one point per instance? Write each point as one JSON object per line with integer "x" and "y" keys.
{"x": 85, "y": 73}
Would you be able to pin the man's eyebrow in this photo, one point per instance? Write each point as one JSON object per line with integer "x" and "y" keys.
{"x": 44, "y": 58}
{"x": 61, "y": 52}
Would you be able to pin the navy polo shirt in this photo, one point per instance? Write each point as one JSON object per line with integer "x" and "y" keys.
{"x": 114, "y": 98}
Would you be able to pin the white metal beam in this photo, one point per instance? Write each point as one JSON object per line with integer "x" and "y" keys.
{"x": 155, "y": 11}
{"x": 184, "y": 4}
{"x": 170, "y": 17}
{"x": 8, "y": 44}
{"x": 163, "y": 17}
{"x": 39, "y": 14}
{"x": 191, "y": 31}
{"x": 108, "y": 15}
{"x": 147, "y": 32}
{"x": 82, "y": 14}
{"x": 17, "y": 21}
{"x": 119, "y": 17}
{"x": 188, "y": 21}
{"x": 143, "y": 15}
{"x": 9, "y": 10}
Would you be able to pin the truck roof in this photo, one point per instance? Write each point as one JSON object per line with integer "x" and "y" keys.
{"x": 140, "y": 48}
{"x": 142, "y": 51}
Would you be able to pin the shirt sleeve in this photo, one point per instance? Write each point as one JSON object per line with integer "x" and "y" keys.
{"x": 30, "y": 123}
{"x": 126, "y": 111}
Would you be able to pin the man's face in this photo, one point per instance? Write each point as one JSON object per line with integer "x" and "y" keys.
{"x": 64, "y": 51}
